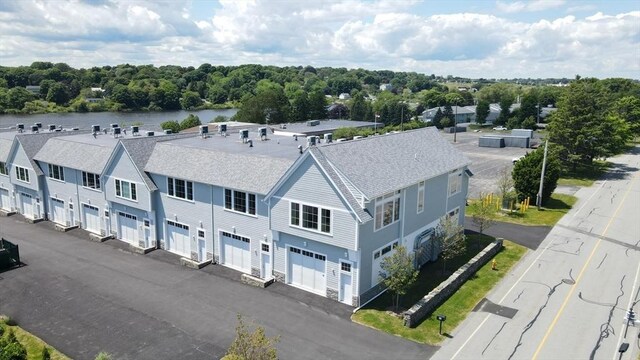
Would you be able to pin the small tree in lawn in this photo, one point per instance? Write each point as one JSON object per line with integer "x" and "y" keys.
{"x": 398, "y": 273}
{"x": 484, "y": 214}
{"x": 505, "y": 187}
{"x": 252, "y": 345}
{"x": 450, "y": 237}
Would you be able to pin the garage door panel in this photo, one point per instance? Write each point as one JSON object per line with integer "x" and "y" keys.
{"x": 57, "y": 211}
{"x": 178, "y": 235}
{"x": 91, "y": 218}
{"x": 307, "y": 270}
{"x": 4, "y": 199}
{"x": 128, "y": 228}
{"x": 236, "y": 251}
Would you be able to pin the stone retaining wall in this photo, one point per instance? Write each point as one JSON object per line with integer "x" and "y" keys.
{"x": 437, "y": 296}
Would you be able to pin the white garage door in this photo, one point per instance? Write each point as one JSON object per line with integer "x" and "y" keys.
{"x": 178, "y": 238}
{"x": 4, "y": 200}
{"x": 91, "y": 218}
{"x": 57, "y": 211}
{"x": 307, "y": 270}
{"x": 128, "y": 228}
{"x": 236, "y": 251}
{"x": 378, "y": 256}
{"x": 26, "y": 204}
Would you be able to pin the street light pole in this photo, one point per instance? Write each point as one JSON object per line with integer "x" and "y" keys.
{"x": 455, "y": 123}
{"x": 401, "y": 116}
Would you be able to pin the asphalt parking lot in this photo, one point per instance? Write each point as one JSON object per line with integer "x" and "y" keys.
{"x": 486, "y": 163}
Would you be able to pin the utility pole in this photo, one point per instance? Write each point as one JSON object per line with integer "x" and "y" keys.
{"x": 544, "y": 165}
{"x": 401, "y": 116}
{"x": 455, "y": 123}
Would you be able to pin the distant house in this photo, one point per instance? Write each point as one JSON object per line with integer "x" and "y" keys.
{"x": 97, "y": 89}
{"x": 386, "y": 87}
{"x": 462, "y": 114}
{"x": 34, "y": 89}
{"x": 344, "y": 96}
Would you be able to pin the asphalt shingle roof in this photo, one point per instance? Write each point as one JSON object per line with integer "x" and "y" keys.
{"x": 6, "y": 140}
{"x": 32, "y": 143}
{"x": 381, "y": 164}
{"x": 76, "y": 155}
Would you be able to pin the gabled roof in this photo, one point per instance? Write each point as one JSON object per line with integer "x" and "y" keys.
{"x": 76, "y": 155}
{"x": 140, "y": 150}
{"x": 6, "y": 140}
{"x": 381, "y": 164}
{"x": 32, "y": 143}
{"x": 253, "y": 173}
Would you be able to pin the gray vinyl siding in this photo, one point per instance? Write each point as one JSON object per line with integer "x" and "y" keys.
{"x": 333, "y": 254}
{"x": 91, "y": 197}
{"x": 20, "y": 159}
{"x": 64, "y": 190}
{"x": 121, "y": 167}
{"x": 253, "y": 227}
{"x": 460, "y": 199}
{"x": 308, "y": 184}
{"x": 434, "y": 205}
{"x": 191, "y": 213}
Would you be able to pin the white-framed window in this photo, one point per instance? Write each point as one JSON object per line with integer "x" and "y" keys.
{"x": 3, "y": 169}
{"x": 90, "y": 180}
{"x": 126, "y": 190}
{"x": 310, "y": 217}
{"x": 420, "y": 197}
{"x": 454, "y": 213}
{"x": 385, "y": 250}
{"x": 387, "y": 210}
{"x": 179, "y": 188}
{"x": 22, "y": 174}
{"x": 56, "y": 172}
{"x": 345, "y": 266}
{"x": 455, "y": 182}
{"x": 240, "y": 201}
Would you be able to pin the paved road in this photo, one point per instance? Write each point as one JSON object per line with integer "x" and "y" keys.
{"x": 84, "y": 297}
{"x": 527, "y": 236}
{"x": 567, "y": 300}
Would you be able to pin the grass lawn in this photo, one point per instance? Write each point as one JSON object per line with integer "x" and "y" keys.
{"x": 548, "y": 215}
{"x": 456, "y": 308}
{"x": 32, "y": 344}
{"x": 584, "y": 175}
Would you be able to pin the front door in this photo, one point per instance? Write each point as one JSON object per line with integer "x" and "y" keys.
{"x": 346, "y": 283}
{"x": 265, "y": 261}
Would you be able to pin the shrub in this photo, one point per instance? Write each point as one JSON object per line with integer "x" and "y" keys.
{"x": 45, "y": 354}
{"x": 103, "y": 356}
{"x": 173, "y": 125}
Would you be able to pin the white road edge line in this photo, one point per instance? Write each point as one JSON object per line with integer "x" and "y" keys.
{"x": 633, "y": 291}
{"x": 587, "y": 201}
{"x": 535, "y": 261}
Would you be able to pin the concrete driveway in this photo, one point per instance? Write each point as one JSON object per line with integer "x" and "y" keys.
{"x": 84, "y": 297}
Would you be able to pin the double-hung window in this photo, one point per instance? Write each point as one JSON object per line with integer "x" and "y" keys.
{"x": 240, "y": 201}
{"x": 180, "y": 188}
{"x": 56, "y": 172}
{"x": 310, "y": 217}
{"x": 3, "y": 169}
{"x": 22, "y": 174}
{"x": 455, "y": 182}
{"x": 387, "y": 210}
{"x": 126, "y": 190}
{"x": 420, "y": 197}
{"x": 90, "y": 180}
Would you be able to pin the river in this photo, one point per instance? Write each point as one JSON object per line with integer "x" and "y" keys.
{"x": 150, "y": 120}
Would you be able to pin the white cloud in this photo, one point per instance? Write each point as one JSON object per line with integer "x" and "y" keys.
{"x": 535, "y": 5}
{"x": 376, "y": 35}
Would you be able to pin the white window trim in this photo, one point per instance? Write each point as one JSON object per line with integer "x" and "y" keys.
{"x": 86, "y": 173}
{"x": 454, "y": 174}
{"x": 320, "y": 208}
{"x": 26, "y": 172}
{"x": 233, "y": 202}
{"x": 383, "y": 199}
{"x": 421, "y": 187}
{"x": 456, "y": 212}
{"x": 340, "y": 261}
{"x": 394, "y": 242}
{"x": 120, "y": 196}
{"x": 185, "y": 190}
{"x": 4, "y": 169}
{"x": 60, "y": 172}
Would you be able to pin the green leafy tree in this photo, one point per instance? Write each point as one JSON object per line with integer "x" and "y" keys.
{"x": 45, "y": 354}
{"x": 528, "y": 106}
{"x": 482, "y": 112}
{"x": 449, "y": 236}
{"x": 190, "y": 121}
{"x": 190, "y": 100}
{"x": 505, "y": 111}
{"x": 583, "y": 126}
{"x": 172, "y": 125}
{"x": 437, "y": 118}
{"x": 513, "y": 123}
{"x": 58, "y": 93}
{"x": 529, "y": 123}
{"x": 359, "y": 108}
{"x": 431, "y": 98}
{"x": 398, "y": 273}
{"x": 628, "y": 108}
{"x": 300, "y": 106}
{"x": 252, "y": 345}
{"x": 317, "y": 105}
{"x": 484, "y": 214}
{"x": 527, "y": 171}
{"x": 166, "y": 95}
{"x": 11, "y": 349}
{"x": 505, "y": 187}
{"x": 270, "y": 100}
{"x": 17, "y": 97}
{"x": 103, "y": 356}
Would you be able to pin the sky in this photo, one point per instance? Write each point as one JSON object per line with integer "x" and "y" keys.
{"x": 467, "y": 38}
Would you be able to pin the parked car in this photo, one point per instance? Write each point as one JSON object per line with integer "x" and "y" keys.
{"x": 516, "y": 159}
{"x": 535, "y": 145}
{"x": 500, "y": 128}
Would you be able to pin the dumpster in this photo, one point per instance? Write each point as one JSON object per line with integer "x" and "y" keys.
{"x": 9, "y": 254}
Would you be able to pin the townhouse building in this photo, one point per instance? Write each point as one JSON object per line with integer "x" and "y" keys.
{"x": 315, "y": 214}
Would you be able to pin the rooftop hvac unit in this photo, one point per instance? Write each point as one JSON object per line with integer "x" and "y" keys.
{"x": 95, "y": 129}
{"x": 328, "y": 137}
{"x": 113, "y": 126}
{"x": 52, "y": 127}
{"x": 38, "y": 124}
{"x": 222, "y": 128}
{"x": 313, "y": 122}
{"x": 263, "y": 133}
{"x": 116, "y": 132}
{"x": 150, "y": 133}
{"x": 34, "y": 128}
{"x": 311, "y": 141}
{"x": 20, "y": 127}
{"x": 75, "y": 129}
{"x": 168, "y": 131}
{"x": 135, "y": 130}
{"x": 204, "y": 130}
{"x": 244, "y": 135}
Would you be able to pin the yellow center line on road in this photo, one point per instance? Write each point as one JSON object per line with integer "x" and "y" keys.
{"x": 566, "y": 299}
